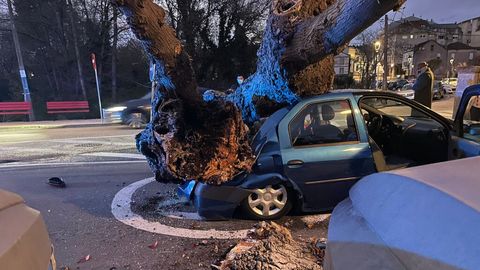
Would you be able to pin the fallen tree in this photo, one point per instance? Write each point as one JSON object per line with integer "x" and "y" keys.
{"x": 190, "y": 137}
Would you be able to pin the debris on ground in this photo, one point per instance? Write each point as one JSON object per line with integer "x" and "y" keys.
{"x": 85, "y": 259}
{"x": 312, "y": 221}
{"x": 154, "y": 245}
{"x": 271, "y": 246}
{"x": 57, "y": 182}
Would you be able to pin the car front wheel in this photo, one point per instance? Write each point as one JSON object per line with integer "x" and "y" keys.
{"x": 271, "y": 202}
{"x": 136, "y": 120}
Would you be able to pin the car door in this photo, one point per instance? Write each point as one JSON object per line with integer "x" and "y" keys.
{"x": 466, "y": 137}
{"x": 325, "y": 150}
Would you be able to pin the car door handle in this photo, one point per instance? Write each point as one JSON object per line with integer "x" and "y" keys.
{"x": 295, "y": 163}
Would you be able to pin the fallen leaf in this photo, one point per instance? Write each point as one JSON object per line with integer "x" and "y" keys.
{"x": 154, "y": 245}
{"x": 85, "y": 259}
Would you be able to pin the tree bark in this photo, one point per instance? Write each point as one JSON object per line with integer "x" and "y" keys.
{"x": 77, "y": 50}
{"x": 300, "y": 41}
{"x": 208, "y": 141}
{"x": 114, "y": 55}
{"x": 187, "y": 137}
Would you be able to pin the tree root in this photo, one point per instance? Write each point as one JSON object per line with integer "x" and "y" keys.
{"x": 270, "y": 246}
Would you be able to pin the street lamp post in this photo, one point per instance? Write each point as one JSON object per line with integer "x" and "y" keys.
{"x": 452, "y": 62}
{"x": 410, "y": 60}
{"x": 377, "y": 46}
{"x": 21, "y": 66}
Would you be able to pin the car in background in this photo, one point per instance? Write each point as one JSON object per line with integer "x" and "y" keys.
{"x": 409, "y": 219}
{"x": 397, "y": 85}
{"x": 309, "y": 155}
{"x": 453, "y": 82}
{"x": 135, "y": 113}
{"x": 439, "y": 91}
{"x": 448, "y": 88}
{"x": 406, "y": 91}
{"x": 24, "y": 244}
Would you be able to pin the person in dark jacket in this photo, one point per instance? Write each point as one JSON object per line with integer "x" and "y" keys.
{"x": 424, "y": 85}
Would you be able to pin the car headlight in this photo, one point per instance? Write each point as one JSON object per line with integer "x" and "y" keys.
{"x": 116, "y": 109}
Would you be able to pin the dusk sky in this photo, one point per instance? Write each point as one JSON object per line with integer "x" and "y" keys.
{"x": 441, "y": 11}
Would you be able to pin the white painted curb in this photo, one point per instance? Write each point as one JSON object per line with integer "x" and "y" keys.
{"x": 122, "y": 211}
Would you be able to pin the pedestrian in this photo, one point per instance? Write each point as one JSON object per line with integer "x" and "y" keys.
{"x": 240, "y": 81}
{"x": 475, "y": 109}
{"x": 424, "y": 85}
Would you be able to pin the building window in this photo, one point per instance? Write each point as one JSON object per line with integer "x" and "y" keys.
{"x": 470, "y": 56}
{"x": 453, "y": 55}
{"x": 432, "y": 47}
{"x": 404, "y": 37}
{"x": 411, "y": 36}
{"x": 342, "y": 70}
{"x": 441, "y": 37}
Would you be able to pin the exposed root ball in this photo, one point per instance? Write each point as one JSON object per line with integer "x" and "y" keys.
{"x": 209, "y": 145}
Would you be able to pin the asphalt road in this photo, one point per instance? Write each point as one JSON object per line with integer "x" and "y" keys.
{"x": 69, "y": 144}
{"x": 96, "y": 163}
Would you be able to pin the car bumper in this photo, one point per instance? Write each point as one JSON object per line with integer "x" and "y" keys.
{"x": 112, "y": 117}
{"x": 218, "y": 202}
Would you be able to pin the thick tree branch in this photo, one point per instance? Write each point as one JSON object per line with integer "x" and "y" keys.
{"x": 147, "y": 20}
{"x": 187, "y": 137}
{"x": 324, "y": 34}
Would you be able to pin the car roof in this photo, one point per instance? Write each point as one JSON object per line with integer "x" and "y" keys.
{"x": 347, "y": 93}
{"x": 459, "y": 179}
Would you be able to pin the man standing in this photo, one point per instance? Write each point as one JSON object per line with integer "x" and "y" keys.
{"x": 424, "y": 85}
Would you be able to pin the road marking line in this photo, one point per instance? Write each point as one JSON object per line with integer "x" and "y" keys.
{"x": 184, "y": 215}
{"x": 122, "y": 211}
{"x": 94, "y": 142}
{"x": 115, "y": 155}
{"x": 23, "y": 165}
{"x": 67, "y": 139}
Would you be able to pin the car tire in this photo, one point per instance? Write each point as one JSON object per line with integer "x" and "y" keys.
{"x": 269, "y": 203}
{"x": 136, "y": 120}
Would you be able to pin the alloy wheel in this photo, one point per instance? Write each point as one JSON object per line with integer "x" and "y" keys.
{"x": 268, "y": 201}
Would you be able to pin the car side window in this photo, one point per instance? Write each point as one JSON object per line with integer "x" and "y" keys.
{"x": 393, "y": 107}
{"x": 324, "y": 123}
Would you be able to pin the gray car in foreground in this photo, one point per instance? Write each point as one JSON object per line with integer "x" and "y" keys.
{"x": 419, "y": 218}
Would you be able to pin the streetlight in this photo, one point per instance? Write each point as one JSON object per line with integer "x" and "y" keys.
{"x": 410, "y": 60}
{"x": 452, "y": 61}
{"x": 377, "y": 46}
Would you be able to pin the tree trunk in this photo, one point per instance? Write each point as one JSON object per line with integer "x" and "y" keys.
{"x": 192, "y": 139}
{"x": 77, "y": 50}
{"x": 104, "y": 40}
{"x": 187, "y": 138}
{"x": 114, "y": 55}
